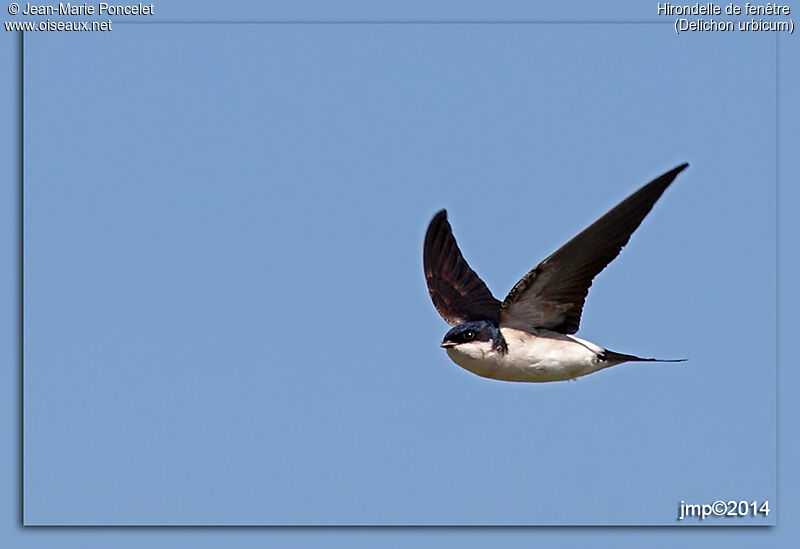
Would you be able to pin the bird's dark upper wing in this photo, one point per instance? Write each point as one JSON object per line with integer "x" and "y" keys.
{"x": 552, "y": 295}
{"x": 457, "y": 292}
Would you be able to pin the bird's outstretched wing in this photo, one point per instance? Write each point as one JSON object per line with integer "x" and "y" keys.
{"x": 551, "y": 296}
{"x": 457, "y": 292}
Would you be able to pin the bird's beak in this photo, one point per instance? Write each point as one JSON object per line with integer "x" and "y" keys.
{"x": 448, "y": 344}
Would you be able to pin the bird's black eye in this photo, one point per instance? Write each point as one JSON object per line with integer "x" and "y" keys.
{"x": 469, "y": 335}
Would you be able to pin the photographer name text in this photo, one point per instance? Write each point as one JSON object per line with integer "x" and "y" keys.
{"x": 102, "y": 8}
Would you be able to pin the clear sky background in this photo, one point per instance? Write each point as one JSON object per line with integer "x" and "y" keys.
{"x": 225, "y": 316}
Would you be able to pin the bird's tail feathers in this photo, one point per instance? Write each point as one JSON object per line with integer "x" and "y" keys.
{"x": 611, "y": 356}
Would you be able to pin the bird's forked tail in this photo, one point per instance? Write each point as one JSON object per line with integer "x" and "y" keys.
{"x": 618, "y": 358}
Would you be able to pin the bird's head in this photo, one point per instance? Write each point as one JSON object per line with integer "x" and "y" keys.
{"x": 474, "y": 338}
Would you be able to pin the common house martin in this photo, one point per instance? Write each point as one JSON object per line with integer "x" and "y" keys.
{"x": 529, "y": 336}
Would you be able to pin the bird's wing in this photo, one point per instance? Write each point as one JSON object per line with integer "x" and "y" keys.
{"x": 552, "y": 295}
{"x": 457, "y": 292}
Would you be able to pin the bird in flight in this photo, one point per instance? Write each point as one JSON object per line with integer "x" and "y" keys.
{"x": 529, "y": 336}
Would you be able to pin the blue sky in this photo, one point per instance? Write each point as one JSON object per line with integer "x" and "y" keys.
{"x": 225, "y": 316}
